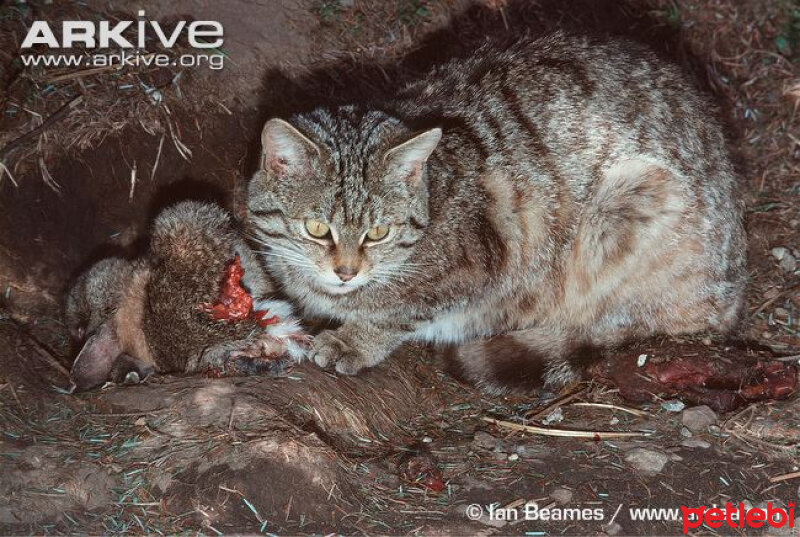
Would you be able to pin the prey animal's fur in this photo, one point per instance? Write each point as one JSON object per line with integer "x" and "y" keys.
{"x": 148, "y": 314}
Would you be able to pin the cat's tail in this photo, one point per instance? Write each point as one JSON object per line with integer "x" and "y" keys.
{"x": 523, "y": 360}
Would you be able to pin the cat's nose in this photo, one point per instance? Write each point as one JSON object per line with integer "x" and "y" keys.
{"x": 345, "y": 273}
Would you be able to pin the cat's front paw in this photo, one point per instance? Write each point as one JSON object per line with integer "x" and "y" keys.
{"x": 329, "y": 350}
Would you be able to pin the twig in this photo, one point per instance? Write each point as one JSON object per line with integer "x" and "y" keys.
{"x": 557, "y": 403}
{"x": 545, "y": 431}
{"x": 133, "y": 182}
{"x": 14, "y": 393}
{"x": 784, "y": 477}
{"x": 47, "y": 123}
{"x": 634, "y": 411}
{"x": 41, "y": 350}
{"x": 82, "y": 73}
{"x": 158, "y": 157}
{"x": 748, "y": 438}
{"x": 4, "y": 170}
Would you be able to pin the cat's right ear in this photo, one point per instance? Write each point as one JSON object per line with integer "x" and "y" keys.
{"x": 408, "y": 158}
{"x": 92, "y": 367}
{"x": 285, "y": 149}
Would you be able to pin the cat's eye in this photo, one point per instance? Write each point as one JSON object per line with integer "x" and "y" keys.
{"x": 377, "y": 233}
{"x": 317, "y": 229}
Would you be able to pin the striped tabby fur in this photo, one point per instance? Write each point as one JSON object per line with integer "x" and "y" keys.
{"x": 545, "y": 199}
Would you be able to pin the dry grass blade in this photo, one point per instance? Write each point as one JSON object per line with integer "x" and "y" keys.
{"x": 5, "y": 171}
{"x": 628, "y": 410}
{"x": 558, "y": 402}
{"x": 133, "y": 182}
{"x": 568, "y": 433}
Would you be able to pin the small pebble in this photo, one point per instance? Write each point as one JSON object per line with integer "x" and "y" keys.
{"x": 685, "y": 432}
{"x": 781, "y": 312}
{"x": 696, "y": 443}
{"x": 561, "y": 495}
{"x": 555, "y": 416}
{"x": 427, "y": 439}
{"x": 641, "y": 360}
{"x": 648, "y": 461}
{"x": 484, "y": 440}
{"x": 513, "y": 457}
{"x": 530, "y": 451}
{"x": 698, "y": 418}
{"x": 673, "y": 405}
{"x": 612, "y": 529}
{"x": 785, "y": 258}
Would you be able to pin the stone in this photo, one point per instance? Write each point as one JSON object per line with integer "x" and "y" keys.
{"x": 648, "y": 461}
{"x": 484, "y": 440}
{"x": 673, "y": 405}
{"x": 561, "y": 496}
{"x": 696, "y": 443}
{"x": 555, "y": 416}
{"x": 786, "y": 260}
{"x": 698, "y": 418}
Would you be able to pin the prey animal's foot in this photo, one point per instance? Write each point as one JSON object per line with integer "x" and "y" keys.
{"x": 329, "y": 350}
{"x": 262, "y": 356}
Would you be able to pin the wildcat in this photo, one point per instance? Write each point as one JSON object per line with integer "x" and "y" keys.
{"x": 523, "y": 206}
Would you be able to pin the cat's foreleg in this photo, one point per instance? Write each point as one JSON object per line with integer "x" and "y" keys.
{"x": 353, "y": 347}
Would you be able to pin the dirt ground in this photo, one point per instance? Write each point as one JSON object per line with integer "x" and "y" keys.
{"x": 402, "y": 449}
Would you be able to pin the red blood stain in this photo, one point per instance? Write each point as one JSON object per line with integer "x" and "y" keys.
{"x": 421, "y": 470}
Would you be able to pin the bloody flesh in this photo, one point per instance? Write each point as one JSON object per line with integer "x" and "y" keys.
{"x": 234, "y": 303}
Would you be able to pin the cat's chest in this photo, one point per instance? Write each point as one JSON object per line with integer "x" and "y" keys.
{"x": 456, "y": 326}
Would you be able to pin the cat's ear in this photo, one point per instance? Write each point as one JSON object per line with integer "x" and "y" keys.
{"x": 408, "y": 158}
{"x": 285, "y": 149}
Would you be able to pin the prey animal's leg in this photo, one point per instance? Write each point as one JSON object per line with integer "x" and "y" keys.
{"x": 259, "y": 355}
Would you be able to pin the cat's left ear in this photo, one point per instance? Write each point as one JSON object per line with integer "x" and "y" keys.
{"x": 408, "y": 158}
{"x": 285, "y": 149}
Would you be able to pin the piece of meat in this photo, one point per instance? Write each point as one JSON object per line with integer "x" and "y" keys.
{"x": 724, "y": 378}
{"x": 234, "y": 303}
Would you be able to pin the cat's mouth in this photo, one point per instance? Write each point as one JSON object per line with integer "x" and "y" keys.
{"x": 331, "y": 284}
{"x": 336, "y": 289}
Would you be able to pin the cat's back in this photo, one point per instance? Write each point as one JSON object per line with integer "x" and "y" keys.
{"x": 573, "y": 103}
{"x": 552, "y": 72}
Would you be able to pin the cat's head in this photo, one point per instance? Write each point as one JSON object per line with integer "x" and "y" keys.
{"x": 341, "y": 197}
